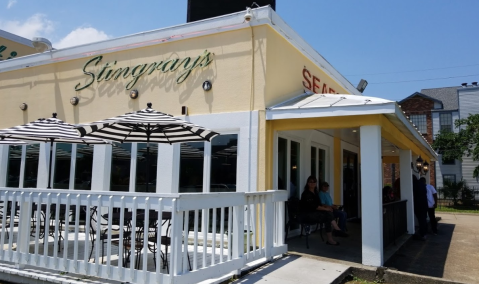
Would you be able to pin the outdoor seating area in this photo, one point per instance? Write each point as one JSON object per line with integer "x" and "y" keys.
{"x": 139, "y": 237}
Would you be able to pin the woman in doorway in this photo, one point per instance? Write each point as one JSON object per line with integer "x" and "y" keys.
{"x": 316, "y": 212}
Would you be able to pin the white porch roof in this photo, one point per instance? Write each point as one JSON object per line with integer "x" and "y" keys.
{"x": 309, "y": 105}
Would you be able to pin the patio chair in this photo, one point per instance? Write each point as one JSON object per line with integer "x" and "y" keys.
{"x": 103, "y": 234}
{"x": 296, "y": 217}
{"x": 166, "y": 241}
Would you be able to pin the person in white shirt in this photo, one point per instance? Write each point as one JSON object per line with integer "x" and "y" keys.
{"x": 432, "y": 205}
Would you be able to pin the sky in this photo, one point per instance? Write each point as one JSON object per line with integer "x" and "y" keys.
{"x": 399, "y": 47}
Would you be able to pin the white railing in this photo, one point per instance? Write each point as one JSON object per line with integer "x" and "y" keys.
{"x": 193, "y": 237}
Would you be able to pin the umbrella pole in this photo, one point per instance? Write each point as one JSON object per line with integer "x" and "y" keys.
{"x": 50, "y": 165}
{"x": 148, "y": 133}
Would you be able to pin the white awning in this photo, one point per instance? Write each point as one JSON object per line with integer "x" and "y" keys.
{"x": 309, "y": 105}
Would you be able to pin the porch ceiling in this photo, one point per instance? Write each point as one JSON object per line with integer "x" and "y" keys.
{"x": 318, "y": 109}
{"x": 351, "y": 136}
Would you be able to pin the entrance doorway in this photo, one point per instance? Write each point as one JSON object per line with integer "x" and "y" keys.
{"x": 350, "y": 184}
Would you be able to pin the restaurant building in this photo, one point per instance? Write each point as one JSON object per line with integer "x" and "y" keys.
{"x": 282, "y": 111}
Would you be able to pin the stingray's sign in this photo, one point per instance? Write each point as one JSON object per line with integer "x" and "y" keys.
{"x": 109, "y": 71}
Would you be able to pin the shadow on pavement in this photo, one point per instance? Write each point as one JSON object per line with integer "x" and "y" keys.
{"x": 424, "y": 257}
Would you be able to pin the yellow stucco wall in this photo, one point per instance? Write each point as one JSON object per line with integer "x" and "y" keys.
{"x": 48, "y": 88}
{"x": 251, "y": 69}
{"x": 12, "y": 46}
{"x": 285, "y": 72}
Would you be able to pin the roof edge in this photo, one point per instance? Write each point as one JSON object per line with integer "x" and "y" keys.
{"x": 421, "y": 95}
{"x": 16, "y": 38}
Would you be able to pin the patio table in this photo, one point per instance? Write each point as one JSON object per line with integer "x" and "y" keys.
{"x": 138, "y": 231}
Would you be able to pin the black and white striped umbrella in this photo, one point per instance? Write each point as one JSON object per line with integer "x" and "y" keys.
{"x": 49, "y": 130}
{"x": 145, "y": 126}
{"x": 9, "y": 141}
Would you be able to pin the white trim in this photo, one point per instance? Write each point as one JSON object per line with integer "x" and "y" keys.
{"x": 16, "y": 38}
{"x": 261, "y": 16}
{"x": 330, "y": 111}
{"x": 4, "y": 152}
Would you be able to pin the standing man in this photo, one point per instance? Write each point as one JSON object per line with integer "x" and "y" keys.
{"x": 432, "y": 205}
{"x": 420, "y": 207}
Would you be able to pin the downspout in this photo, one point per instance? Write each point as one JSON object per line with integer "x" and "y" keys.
{"x": 251, "y": 107}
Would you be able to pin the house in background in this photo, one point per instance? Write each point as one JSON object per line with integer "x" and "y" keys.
{"x": 432, "y": 110}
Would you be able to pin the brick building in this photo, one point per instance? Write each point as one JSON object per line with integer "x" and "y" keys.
{"x": 432, "y": 110}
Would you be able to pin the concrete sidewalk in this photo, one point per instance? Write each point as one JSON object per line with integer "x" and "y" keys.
{"x": 296, "y": 269}
{"x": 453, "y": 254}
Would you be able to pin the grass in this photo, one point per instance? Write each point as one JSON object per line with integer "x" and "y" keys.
{"x": 356, "y": 280}
{"x": 458, "y": 209}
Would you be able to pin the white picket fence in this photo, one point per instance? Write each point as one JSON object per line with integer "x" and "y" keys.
{"x": 214, "y": 234}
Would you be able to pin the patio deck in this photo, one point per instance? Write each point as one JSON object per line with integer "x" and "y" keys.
{"x": 348, "y": 252}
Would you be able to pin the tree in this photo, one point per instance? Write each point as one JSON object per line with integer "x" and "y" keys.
{"x": 463, "y": 143}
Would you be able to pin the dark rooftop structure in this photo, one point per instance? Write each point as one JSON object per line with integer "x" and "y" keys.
{"x": 204, "y": 9}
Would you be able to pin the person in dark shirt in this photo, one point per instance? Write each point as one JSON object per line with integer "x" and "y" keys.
{"x": 420, "y": 207}
{"x": 316, "y": 212}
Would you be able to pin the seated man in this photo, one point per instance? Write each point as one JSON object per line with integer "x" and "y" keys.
{"x": 328, "y": 202}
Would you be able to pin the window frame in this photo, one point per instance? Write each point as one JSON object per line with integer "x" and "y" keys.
{"x": 443, "y": 126}
{"x": 417, "y": 122}
{"x": 451, "y": 175}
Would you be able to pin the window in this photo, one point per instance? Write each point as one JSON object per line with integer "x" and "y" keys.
{"x": 146, "y": 167}
{"x": 63, "y": 157}
{"x": 120, "y": 167}
{"x": 83, "y": 167}
{"x": 282, "y": 163}
{"x": 318, "y": 162}
{"x": 419, "y": 121}
{"x": 450, "y": 178}
{"x": 191, "y": 166}
{"x": 295, "y": 170}
{"x": 224, "y": 150}
{"x": 13, "y": 169}
{"x": 445, "y": 121}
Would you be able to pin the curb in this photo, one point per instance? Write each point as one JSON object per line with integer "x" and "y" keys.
{"x": 391, "y": 276}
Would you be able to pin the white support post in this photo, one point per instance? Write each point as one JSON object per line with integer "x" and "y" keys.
{"x": 371, "y": 199}
{"x": 133, "y": 166}
{"x": 3, "y": 165}
{"x": 406, "y": 186}
{"x": 168, "y": 168}
{"x": 43, "y": 163}
{"x": 101, "y": 171}
{"x": 23, "y": 162}
{"x": 238, "y": 231}
{"x": 73, "y": 166}
{"x": 206, "y": 168}
{"x": 269, "y": 228}
{"x": 24, "y": 236}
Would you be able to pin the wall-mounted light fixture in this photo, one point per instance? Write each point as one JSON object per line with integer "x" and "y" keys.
{"x": 134, "y": 94}
{"x": 421, "y": 166}
{"x": 184, "y": 110}
{"x": 294, "y": 167}
{"x": 23, "y": 106}
{"x": 74, "y": 100}
{"x": 207, "y": 85}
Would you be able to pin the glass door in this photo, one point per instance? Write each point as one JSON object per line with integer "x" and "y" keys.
{"x": 350, "y": 184}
